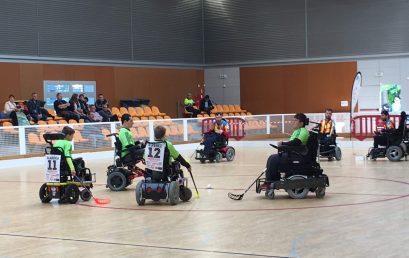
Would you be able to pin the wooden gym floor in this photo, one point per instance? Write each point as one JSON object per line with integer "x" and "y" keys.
{"x": 364, "y": 214}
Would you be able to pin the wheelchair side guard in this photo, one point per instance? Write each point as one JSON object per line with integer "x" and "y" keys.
{"x": 311, "y": 182}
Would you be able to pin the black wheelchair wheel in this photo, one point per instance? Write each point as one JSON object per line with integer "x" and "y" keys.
{"x": 338, "y": 153}
{"x": 202, "y": 161}
{"x": 72, "y": 193}
{"x": 299, "y": 193}
{"x": 116, "y": 181}
{"x": 85, "y": 195}
{"x": 173, "y": 192}
{"x": 139, "y": 194}
{"x": 269, "y": 194}
{"x": 185, "y": 194}
{"x": 394, "y": 153}
{"x": 230, "y": 153}
{"x": 218, "y": 157}
{"x": 44, "y": 195}
{"x": 320, "y": 192}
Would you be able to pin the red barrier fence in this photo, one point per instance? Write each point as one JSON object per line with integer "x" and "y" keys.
{"x": 362, "y": 127}
{"x": 236, "y": 126}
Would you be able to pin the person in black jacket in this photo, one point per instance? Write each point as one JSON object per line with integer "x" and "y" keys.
{"x": 36, "y": 108}
{"x": 62, "y": 108}
{"x": 83, "y": 104}
{"x": 206, "y": 105}
{"x": 100, "y": 102}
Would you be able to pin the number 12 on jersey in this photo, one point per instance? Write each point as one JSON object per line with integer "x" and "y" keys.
{"x": 155, "y": 155}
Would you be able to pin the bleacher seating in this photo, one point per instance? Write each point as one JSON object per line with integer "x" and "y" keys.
{"x": 230, "y": 110}
{"x": 138, "y": 113}
{"x": 87, "y": 136}
{"x": 226, "y": 110}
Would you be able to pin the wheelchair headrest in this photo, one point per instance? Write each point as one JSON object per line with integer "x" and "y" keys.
{"x": 48, "y": 137}
{"x": 307, "y": 121}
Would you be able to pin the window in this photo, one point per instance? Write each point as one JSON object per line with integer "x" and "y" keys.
{"x": 67, "y": 88}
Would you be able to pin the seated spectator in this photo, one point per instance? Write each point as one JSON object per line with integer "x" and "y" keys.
{"x": 22, "y": 116}
{"x": 206, "y": 105}
{"x": 189, "y": 105}
{"x": 100, "y": 102}
{"x": 107, "y": 114}
{"x": 93, "y": 115}
{"x": 36, "y": 109}
{"x": 10, "y": 109}
{"x": 62, "y": 109}
{"x": 83, "y": 103}
{"x": 76, "y": 107}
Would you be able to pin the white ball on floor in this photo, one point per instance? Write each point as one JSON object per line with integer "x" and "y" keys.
{"x": 209, "y": 186}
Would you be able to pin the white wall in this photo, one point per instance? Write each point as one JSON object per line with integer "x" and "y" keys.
{"x": 223, "y": 85}
{"x": 383, "y": 71}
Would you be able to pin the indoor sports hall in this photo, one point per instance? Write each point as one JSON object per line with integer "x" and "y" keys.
{"x": 204, "y": 128}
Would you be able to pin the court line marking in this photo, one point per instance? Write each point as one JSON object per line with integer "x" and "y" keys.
{"x": 271, "y": 209}
{"x": 245, "y": 210}
{"x": 219, "y": 189}
{"x": 140, "y": 245}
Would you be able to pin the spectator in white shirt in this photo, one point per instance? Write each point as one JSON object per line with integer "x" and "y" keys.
{"x": 10, "y": 109}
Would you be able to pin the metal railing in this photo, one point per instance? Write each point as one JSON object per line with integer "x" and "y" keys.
{"x": 22, "y": 140}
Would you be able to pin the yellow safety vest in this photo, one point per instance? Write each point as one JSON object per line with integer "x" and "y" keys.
{"x": 326, "y": 127}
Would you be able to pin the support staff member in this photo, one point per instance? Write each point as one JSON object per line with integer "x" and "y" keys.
{"x": 189, "y": 105}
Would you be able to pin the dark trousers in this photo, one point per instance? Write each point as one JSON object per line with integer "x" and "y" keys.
{"x": 13, "y": 117}
{"x": 207, "y": 110}
{"x": 273, "y": 164}
{"x": 379, "y": 140}
{"x": 221, "y": 140}
{"x": 67, "y": 115}
{"x": 193, "y": 110}
{"x": 108, "y": 118}
{"x": 44, "y": 115}
{"x": 135, "y": 154}
{"x": 325, "y": 141}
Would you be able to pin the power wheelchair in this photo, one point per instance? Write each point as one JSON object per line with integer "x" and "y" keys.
{"x": 397, "y": 147}
{"x": 328, "y": 144}
{"x": 302, "y": 172}
{"x": 166, "y": 182}
{"x": 63, "y": 187}
{"x": 123, "y": 172}
{"x": 215, "y": 148}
